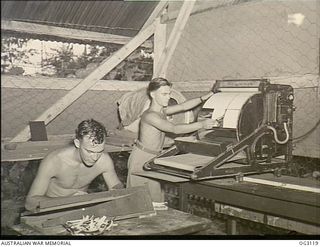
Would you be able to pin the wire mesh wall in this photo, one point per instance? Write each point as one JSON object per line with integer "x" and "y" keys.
{"x": 26, "y": 95}
{"x": 278, "y": 40}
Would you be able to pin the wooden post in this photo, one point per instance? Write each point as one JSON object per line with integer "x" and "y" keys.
{"x": 174, "y": 38}
{"x": 159, "y": 43}
{"x": 104, "y": 68}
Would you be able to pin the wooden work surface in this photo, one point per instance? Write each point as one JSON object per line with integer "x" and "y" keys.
{"x": 39, "y": 152}
{"x": 117, "y": 141}
{"x": 165, "y": 222}
{"x": 35, "y": 150}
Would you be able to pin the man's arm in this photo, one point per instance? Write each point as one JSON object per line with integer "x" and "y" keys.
{"x": 167, "y": 126}
{"x": 40, "y": 184}
{"x": 188, "y": 105}
{"x": 110, "y": 176}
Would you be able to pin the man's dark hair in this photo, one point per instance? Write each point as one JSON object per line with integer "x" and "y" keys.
{"x": 93, "y": 129}
{"x": 156, "y": 83}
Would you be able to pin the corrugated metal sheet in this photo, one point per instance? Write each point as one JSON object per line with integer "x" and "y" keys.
{"x": 114, "y": 17}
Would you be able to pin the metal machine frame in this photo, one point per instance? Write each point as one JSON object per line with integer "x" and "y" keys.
{"x": 267, "y": 149}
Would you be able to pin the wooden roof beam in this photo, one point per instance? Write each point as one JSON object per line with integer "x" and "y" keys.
{"x": 158, "y": 10}
{"x": 200, "y": 8}
{"x": 66, "y": 33}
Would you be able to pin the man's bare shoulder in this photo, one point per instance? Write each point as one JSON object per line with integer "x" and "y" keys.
{"x": 105, "y": 162}
{"x": 148, "y": 116}
{"x": 60, "y": 154}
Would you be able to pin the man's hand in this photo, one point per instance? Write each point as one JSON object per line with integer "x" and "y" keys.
{"x": 205, "y": 97}
{"x": 80, "y": 193}
{"x": 209, "y": 123}
{"x": 33, "y": 202}
{"x": 215, "y": 88}
{"x": 118, "y": 186}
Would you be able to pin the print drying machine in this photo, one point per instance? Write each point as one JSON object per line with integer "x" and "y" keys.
{"x": 253, "y": 134}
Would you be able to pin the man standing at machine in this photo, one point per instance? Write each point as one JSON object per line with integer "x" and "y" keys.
{"x": 153, "y": 126}
{"x": 70, "y": 170}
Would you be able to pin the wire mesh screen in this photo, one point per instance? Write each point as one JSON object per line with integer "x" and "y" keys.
{"x": 252, "y": 39}
{"x": 278, "y": 40}
{"x": 21, "y": 106}
{"x": 56, "y": 71}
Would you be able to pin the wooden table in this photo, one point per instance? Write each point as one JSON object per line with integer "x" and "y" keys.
{"x": 286, "y": 202}
{"x": 165, "y": 222}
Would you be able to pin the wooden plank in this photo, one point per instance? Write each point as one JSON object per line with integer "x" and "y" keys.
{"x": 174, "y": 37}
{"x": 293, "y": 225}
{"x": 121, "y": 138}
{"x": 39, "y": 152}
{"x": 89, "y": 198}
{"x": 157, "y": 10}
{"x": 106, "y": 66}
{"x": 77, "y": 204}
{"x": 66, "y": 33}
{"x": 160, "y": 37}
{"x": 260, "y": 190}
{"x": 137, "y": 203}
{"x": 267, "y": 219}
{"x": 50, "y": 83}
{"x": 282, "y": 184}
{"x": 296, "y": 205}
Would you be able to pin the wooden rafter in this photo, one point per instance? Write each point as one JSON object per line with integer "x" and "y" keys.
{"x": 51, "y": 83}
{"x": 202, "y": 7}
{"x": 66, "y": 33}
{"x": 174, "y": 37}
{"x": 160, "y": 32}
{"x": 156, "y": 12}
{"x": 160, "y": 38}
{"x": 104, "y": 68}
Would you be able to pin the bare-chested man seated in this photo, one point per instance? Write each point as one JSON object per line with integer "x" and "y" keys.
{"x": 153, "y": 126}
{"x": 70, "y": 170}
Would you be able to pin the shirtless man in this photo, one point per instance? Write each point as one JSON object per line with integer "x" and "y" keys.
{"x": 70, "y": 170}
{"x": 154, "y": 125}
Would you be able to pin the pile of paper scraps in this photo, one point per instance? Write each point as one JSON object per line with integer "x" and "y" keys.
{"x": 89, "y": 225}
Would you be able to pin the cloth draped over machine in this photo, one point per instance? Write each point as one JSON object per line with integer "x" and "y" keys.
{"x": 254, "y": 134}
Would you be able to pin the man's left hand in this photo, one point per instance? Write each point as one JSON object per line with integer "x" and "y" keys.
{"x": 206, "y": 96}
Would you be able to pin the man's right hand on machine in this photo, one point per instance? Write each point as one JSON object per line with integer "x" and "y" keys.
{"x": 209, "y": 123}
{"x": 215, "y": 88}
